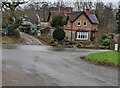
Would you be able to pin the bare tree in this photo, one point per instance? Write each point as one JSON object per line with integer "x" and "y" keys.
{"x": 80, "y": 5}
{"x": 9, "y": 8}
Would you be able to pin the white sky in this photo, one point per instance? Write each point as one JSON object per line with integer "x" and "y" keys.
{"x": 82, "y": 0}
{"x": 69, "y": 0}
{"x": 115, "y": 2}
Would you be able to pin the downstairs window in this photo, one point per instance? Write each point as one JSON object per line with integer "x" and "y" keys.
{"x": 82, "y": 36}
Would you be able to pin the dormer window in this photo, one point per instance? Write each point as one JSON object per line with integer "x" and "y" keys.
{"x": 79, "y": 22}
{"x": 85, "y": 23}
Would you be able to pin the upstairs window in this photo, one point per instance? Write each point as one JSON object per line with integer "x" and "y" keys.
{"x": 85, "y": 23}
{"x": 79, "y": 22}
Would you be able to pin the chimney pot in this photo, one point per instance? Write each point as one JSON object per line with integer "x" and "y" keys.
{"x": 87, "y": 11}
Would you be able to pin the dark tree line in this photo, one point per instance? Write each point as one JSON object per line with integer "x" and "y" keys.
{"x": 107, "y": 18}
{"x": 118, "y": 28}
{"x": 118, "y": 19}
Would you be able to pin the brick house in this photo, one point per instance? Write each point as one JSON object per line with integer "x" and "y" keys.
{"x": 81, "y": 26}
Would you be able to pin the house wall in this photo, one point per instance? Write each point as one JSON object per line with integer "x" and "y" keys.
{"x": 82, "y": 18}
{"x": 94, "y": 26}
{"x": 68, "y": 26}
{"x": 68, "y": 35}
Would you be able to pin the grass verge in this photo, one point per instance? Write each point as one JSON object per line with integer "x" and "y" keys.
{"x": 111, "y": 58}
{"x": 44, "y": 40}
{"x": 11, "y": 40}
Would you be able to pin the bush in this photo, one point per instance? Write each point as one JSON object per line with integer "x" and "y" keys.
{"x": 106, "y": 42}
{"x": 57, "y": 21}
{"x": 112, "y": 35}
{"x": 16, "y": 33}
{"x": 107, "y": 39}
{"x": 59, "y": 34}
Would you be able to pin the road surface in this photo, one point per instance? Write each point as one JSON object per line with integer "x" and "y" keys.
{"x": 40, "y": 65}
{"x": 35, "y": 64}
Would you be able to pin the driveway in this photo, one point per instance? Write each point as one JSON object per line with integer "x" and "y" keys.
{"x": 29, "y": 40}
{"x": 40, "y": 65}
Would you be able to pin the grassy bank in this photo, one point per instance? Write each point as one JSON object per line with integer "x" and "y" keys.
{"x": 11, "y": 40}
{"x": 104, "y": 58}
{"x": 44, "y": 40}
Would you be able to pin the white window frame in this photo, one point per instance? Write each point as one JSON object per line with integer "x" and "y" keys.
{"x": 80, "y": 23}
{"x": 84, "y": 22}
{"x": 82, "y": 35}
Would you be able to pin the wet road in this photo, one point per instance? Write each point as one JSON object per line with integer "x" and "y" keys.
{"x": 38, "y": 65}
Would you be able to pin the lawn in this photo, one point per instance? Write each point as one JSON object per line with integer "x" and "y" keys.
{"x": 105, "y": 58}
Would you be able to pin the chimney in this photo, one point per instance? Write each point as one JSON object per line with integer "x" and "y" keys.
{"x": 87, "y": 11}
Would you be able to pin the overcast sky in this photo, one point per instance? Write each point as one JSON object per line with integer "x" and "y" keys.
{"x": 111, "y": 0}
{"x": 85, "y": 0}
{"x": 115, "y": 2}
{"x": 79, "y": 0}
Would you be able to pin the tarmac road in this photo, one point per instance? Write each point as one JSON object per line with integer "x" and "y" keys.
{"x": 40, "y": 65}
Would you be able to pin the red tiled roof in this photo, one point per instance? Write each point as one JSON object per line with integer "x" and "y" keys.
{"x": 74, "y": 15}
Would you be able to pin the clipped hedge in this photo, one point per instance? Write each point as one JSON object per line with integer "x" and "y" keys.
{"x": 59, "y": 34}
